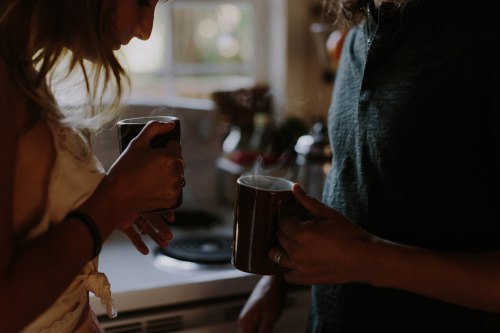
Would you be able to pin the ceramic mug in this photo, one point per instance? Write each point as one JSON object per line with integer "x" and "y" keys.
{"x": 259, "y": 204}
{"x": 129, "y": 128}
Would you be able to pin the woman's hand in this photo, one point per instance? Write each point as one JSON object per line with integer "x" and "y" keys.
{"x": 154, "y": 225}
{"x": 144, "y": 179}
{"x": 264, "y": 306}
{"x": 326, "y": 249}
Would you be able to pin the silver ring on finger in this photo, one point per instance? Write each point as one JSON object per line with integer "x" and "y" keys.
{"x": 142, "y": 224}
{"x": 277, "y": 257}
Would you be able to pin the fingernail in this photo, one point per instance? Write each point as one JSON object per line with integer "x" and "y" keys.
{"x": 170, "y": 122}
{"x": 298, "y": 188}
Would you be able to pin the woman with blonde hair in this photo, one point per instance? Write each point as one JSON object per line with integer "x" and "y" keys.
{"x": 57, "y": 205}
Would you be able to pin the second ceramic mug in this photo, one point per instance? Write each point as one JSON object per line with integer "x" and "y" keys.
{"x": 260, "y": 202}
{"x": 129, "y": 128}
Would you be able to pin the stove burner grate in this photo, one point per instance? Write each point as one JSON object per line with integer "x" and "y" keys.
{"x": 200, "y": 249}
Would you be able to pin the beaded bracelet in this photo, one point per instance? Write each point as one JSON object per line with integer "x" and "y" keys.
{"x": 92, "y": 227}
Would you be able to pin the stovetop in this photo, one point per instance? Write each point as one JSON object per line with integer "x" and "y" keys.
{"x": 207, "y": 250}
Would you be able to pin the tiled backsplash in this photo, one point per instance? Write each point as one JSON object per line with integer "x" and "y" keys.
{"x": 201, "y": 145}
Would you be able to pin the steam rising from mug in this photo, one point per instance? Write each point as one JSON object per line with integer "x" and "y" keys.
{"x": 281, "y": 168}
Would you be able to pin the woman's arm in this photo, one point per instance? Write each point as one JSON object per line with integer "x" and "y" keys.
{"x": 264, "y": 306}
{"x": 34, "y": 273}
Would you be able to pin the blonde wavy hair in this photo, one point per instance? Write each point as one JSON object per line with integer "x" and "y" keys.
{"x": 69, "y": 30}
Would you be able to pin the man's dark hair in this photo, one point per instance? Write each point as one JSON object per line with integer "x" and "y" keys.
{"x": 347, "y": 13}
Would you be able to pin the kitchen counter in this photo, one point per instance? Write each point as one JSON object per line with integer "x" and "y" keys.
{"x": 139, "y": 281}
{"x": 155, "y": 297}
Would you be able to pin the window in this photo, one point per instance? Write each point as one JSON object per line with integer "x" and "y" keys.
{"x": 201, "y": 46}
{"x": 196, "y": 47}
